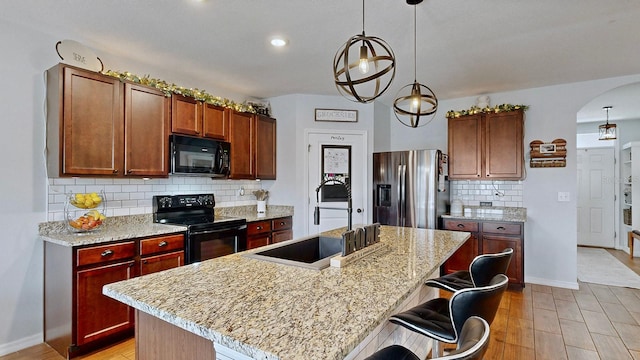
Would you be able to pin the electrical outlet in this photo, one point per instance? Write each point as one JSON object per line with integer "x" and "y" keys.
{"x": 564, "y": 196}
{"x": 486, "y": 203}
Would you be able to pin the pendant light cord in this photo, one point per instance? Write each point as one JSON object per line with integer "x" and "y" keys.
{"x": 363, "y": 17}
{"x": 415, "y": 46}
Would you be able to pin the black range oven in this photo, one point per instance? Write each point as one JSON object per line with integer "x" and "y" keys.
{"x": 208, "y": 236}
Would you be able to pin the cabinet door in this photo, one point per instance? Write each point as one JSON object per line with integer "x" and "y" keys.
{"x": 462, "y": 258}
{"x": 503, "y": 145}
{"x": 147, "y": 116}
{"x": 186, "y": 115}
{"x": 215, "y": 122}
{"x": 495, "y": 243}
{"x": 258, "y": 240}
{"x": 282, "y": 235}
{"x": 465, "y": 147}
{"x": 153, "y": 264}
{"x": 93, "y": 125}
{"x": 99, "y": 316}
{"x": 265, "y": 148}
{"x": 242, "y": 137}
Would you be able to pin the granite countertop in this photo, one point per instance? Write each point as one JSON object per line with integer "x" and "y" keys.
{"x": 508, "y": 214}
{"x": 135, "y": 226}
{"x": 267, "y": 310}
{"x": 114, "y": 228}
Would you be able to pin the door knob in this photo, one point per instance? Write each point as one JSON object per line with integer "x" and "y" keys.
{"x": 359, "y": 210}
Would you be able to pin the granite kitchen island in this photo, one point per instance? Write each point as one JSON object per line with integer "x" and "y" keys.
{"x": 252, "y": 309}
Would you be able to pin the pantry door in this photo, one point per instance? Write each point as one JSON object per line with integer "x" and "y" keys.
{"x": 340, "y": 154}
{"x": 596, "y": 200}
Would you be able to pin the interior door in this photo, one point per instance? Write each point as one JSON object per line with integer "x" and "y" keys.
{"x": 596, "y": 201}
{"x": 326, "y": 153}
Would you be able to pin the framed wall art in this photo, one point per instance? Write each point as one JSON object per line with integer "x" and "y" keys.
{"x": 336, "y": 115}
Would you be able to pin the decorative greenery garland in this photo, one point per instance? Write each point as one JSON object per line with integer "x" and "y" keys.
{"x": 169, "y": 89}
{"x": 489, "y": 109}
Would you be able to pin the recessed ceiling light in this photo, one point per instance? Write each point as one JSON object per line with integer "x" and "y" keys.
{"x": 278, "y": 42}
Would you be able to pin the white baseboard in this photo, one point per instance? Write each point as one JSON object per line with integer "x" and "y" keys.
{"x": 554, "y": 283}
{"x": 20, "y": 344}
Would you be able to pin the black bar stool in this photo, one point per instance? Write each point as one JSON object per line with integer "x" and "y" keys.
{"x": 481, "y": 270}
{"x": 442, "y": 319}
{"x": 473, "y": 343}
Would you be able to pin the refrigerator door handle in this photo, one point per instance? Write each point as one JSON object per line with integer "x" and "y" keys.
{"x": 402, "y": 196}
{"x": 399, "y": 189}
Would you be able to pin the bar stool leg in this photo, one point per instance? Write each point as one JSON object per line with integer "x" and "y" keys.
{"x": 436, "y": 350}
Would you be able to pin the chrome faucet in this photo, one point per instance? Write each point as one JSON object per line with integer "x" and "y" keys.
{"x": 316, "y": 211}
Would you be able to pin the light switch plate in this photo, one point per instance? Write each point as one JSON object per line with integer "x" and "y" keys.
{"x": 564, "y": 196}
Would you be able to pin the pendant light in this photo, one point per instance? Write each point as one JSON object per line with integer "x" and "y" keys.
{"x": 607, "y": 131}
{"x": 364, "y": 67}
{"x": 415, "y": 101}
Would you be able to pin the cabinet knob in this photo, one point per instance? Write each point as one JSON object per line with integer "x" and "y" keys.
{"x": 461, "y": 226}
{"x": 281, "y": 223}
{"x": 162, "y": 243}
{"x": 144, "y": 261}
{"x": 500, "y": 228}
{"x": 478, "y": 175}
{"x": 259, "y": 227}
{"x": 129, "y": 171}
{"x": 106, "y": 253}
{"x": 115, "y": 171}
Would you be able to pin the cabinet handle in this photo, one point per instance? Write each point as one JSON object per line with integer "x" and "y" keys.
{"x": 258, "y": 227}
{"x": 162, "y": 243}
{"x": 129, "y": 171}
{"x": 115, "y": 171}
{"x": 500, "y": 228}
{"x": 281, "y": 223}
{"x": 460, "y": 226}
{"x": 106, "y": 253}
{"x": 478, "y": 175}
{"x": 144, "y": 261}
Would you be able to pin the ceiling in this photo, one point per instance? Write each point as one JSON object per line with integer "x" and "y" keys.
{"x": 465, "y": 48}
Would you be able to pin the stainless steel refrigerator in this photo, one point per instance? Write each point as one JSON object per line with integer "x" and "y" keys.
{"x": 410, "y": 188}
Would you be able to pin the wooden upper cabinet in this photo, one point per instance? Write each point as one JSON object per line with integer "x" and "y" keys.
{"x": 487, "y": 146}
{"x": 186, "y": 115}
{"x": 465, "y": 147}
{"x": 147, "y": 116}
{"x": 242, "y": 136}
{"x": 88, "y": 117}
{"x": 192, "y": 117}
{"x": 265, "y": 148}
{"x": 215, "y": 122}
{"x": 91, "y": 128}
{"x": 503, "y": 145}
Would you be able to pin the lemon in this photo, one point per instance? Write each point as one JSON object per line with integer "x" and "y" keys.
{"x": 88, "y": 203}
{"x": 80, "y": 197}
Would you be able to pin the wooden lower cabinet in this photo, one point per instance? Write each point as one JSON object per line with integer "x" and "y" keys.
{"x": 100, "y": 316}
{"x": 265, "y": 232}
{"x": 487, "y": 237}
{"x": 78, "y": 317}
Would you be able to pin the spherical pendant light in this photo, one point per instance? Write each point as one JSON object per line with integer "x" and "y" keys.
{"x": 415, "y": 102}
{"x": 364, "y": 67}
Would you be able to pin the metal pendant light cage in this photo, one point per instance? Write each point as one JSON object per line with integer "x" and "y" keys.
{"x": 607, "y": 131}
{"x": 364, "y": 67}
{"x": 415, "y": 104}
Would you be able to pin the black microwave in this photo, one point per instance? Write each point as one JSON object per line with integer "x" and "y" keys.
{"x": 199, "y": 156}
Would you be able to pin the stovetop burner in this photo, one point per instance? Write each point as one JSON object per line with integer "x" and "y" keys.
{"x": 193, "y": 211}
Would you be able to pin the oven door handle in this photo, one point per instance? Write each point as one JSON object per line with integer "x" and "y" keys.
{"x": 242, "y": 227}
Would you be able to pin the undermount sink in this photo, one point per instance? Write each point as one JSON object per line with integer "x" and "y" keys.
{"x": 312, "y": 252}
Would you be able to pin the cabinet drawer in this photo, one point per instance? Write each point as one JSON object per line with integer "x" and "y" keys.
{"x": 282, "y": 235}
{"x": 105, "y": 253}
{"x": 281, "y": 223}
{"x": 257, "y": 241}
{"x": 504, "y": 228}
{"x": 461, "y": 225}
{"x": 258, "y": 227}
{"x": 153, "y": 264}
{"x": 161, "y": 244}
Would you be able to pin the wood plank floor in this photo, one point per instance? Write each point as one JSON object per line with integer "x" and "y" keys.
{"x": 538, "y": 323}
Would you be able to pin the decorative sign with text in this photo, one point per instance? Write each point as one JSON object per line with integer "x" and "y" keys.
{"x": 73, "y": 53}
{"x": 336, "y": 115}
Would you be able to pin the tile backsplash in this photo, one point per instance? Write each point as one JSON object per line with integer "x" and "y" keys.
{"x": 500, "y": 193}
{"x": 133, "y": 196}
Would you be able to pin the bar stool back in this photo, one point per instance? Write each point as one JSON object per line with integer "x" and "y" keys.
{"x": 442, "y": 319}
{"x": 472, "y": 345}
{"x": 481, "y": 270}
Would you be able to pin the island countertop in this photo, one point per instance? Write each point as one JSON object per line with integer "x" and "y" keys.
{"x": 267, "y": 310}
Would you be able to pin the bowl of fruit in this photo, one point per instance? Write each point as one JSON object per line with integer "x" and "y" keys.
{"x": 85, "y": 211}
{"x": 90, "y": 221}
